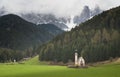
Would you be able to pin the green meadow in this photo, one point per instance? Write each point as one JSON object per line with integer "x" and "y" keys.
{"x": 34, "y": 68}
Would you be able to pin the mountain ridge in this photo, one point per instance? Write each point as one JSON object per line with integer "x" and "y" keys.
{"x": 13, "y": 27}
{"x": 63, "y": 23}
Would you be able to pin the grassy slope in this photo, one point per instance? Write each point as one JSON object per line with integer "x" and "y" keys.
{"x": 34, "y": 61}
{"x": 32, "y": 69}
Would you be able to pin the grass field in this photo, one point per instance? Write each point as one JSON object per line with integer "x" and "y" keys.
{"x": 36, "y": 70}
{"x": 34, "y": 61}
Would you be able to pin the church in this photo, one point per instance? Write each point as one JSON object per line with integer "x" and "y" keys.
{"x": 79, "y": 61}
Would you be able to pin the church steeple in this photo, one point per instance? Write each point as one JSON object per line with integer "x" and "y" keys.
{"x": 76, "y": 59}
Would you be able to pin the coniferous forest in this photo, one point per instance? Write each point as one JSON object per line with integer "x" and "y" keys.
{"x": 60, "y": 38}
{"x": 97, "y": 39}
{"x": 19, "y": 38}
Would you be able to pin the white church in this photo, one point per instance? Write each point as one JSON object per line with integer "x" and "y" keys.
{"x": 79, "y": 61}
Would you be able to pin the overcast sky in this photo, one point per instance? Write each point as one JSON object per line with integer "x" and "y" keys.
{"x": 57, "y": 7}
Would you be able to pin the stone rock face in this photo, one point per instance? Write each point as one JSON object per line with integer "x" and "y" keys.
{"x": 83, "y": 16}
{"x": 86, "y": 14}
{"x": 45, "y": 19}
{"x": 96, "y": 11}
{"x": 2, "y": 11}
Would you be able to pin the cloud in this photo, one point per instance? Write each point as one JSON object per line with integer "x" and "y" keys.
{"x": 56, "y": 7}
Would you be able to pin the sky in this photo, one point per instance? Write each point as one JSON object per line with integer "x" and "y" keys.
{"x": 60, "y": 8}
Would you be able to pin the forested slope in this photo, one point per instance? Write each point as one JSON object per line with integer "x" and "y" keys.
{"x": 97, "y": 39}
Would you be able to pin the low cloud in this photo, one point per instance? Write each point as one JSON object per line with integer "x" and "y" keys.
{"x": 56, "y": 7}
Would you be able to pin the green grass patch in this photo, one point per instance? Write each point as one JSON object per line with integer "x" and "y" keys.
{"x": 24, "y": 70}
{"x": 34, "y": 61}
{"x": 34, "y": 68}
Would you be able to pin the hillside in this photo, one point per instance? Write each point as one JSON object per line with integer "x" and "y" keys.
{"x": 20, "y": 35}
{"x": 52, "y": 29}
{"x": 16, "y": 33}
{"x": 34, "y": 61}
{"x": 97, "y": 39}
